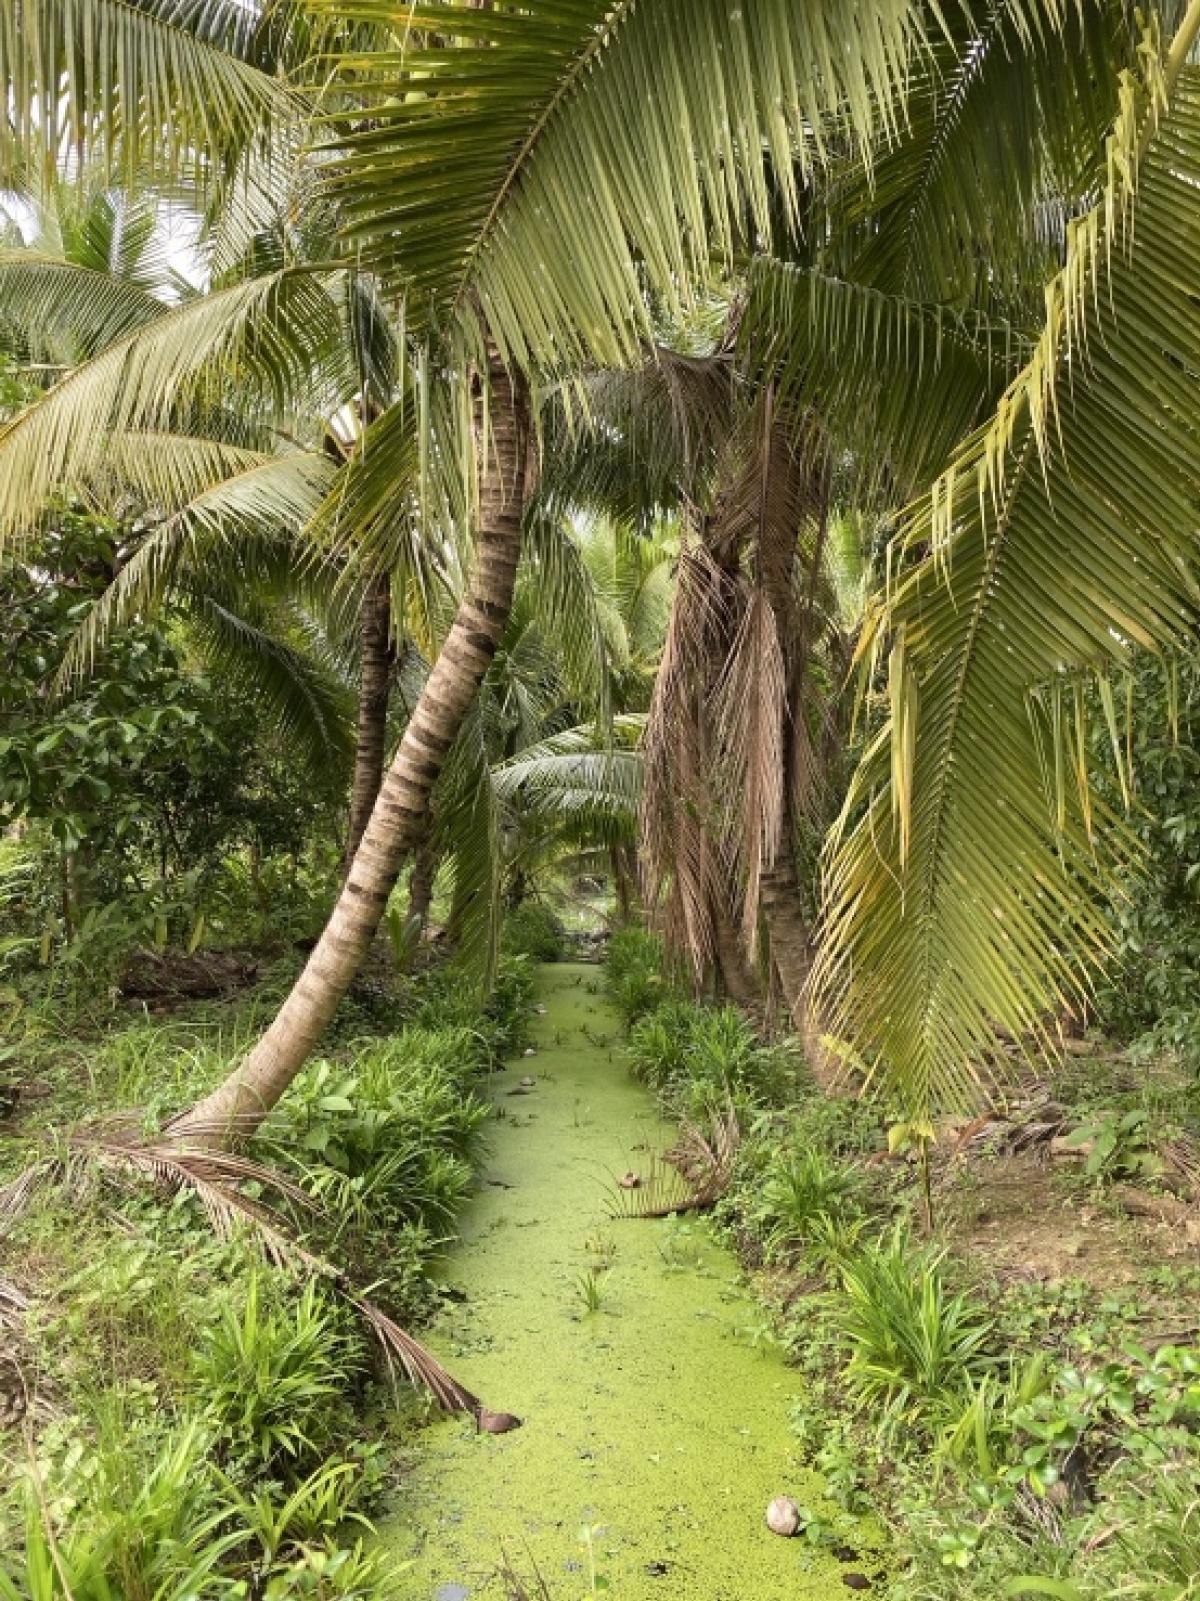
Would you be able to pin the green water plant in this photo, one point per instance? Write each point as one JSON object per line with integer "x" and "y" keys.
{"x": 591, "y": 1288}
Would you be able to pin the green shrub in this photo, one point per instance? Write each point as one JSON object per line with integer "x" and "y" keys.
{"x": 533, "y": 930}
{"x": 660, "y": 1043}
{"x": 914, "y": 1348}
{"x": 695, "y": 1055}
{"x": 499, "y": 1021}
{"x": 805, "y": 1197}
{"x": 271, "y": 1376}
{"x": 635, "y": 973}
{"x": 134, "y": 1528}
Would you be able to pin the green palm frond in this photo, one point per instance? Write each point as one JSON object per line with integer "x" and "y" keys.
{"x": 274, "y": 337}
{"x": 569, "y": 611}
{"x": 468, "y": 831}
{"x": 962, "y": 884}
{"x": 1003, "y": 137}
{"x": 578, "y": 776}
{"x": 542, "y": 165}
{"x": 898, "y": 381}
{"x": 312, "y": 707}
{"x": 240, "y": 529}
{"x": 65, "y": 311}
{"x": 135, "y": 87}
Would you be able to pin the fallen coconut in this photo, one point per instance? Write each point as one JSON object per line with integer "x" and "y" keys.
{"x": 783, "y": 1516}
{"x": 491, "y": 1422}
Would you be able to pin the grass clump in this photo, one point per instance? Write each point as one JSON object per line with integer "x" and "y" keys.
{"x": 695, "y": 1055}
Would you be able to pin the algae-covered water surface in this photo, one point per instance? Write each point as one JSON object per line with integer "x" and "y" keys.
{"x": 655, "y": 1416}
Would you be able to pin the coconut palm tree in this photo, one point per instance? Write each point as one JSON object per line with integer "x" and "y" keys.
{"x": 1051, "y": 540}
{"x": 520, "y": 198}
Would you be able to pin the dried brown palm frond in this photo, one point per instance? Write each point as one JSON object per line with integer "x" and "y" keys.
{"x": 692, "y": 1176}
{"x": 419, "y": 1366}
{"x": 749, "y": 712}
{"x": 681, "y": 844}
{"x": 14, "y": 1304}
{"x": 215, "y": 1179}
{"x": 16, "y": 1390}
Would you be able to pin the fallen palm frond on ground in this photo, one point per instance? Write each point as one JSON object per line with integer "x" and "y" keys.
{"x": 215, "y": 1179}
{"x": 14, "y": 1385}
{"x": 692, "y": 1176}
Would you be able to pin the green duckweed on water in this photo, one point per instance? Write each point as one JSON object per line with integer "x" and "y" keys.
{"x": 659, "y": 1420}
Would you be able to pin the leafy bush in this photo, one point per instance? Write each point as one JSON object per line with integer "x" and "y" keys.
{"x": 498, "y": 1021}
{"x": 138, "y": 1529}
{"x": 804, "y": 1197}
{"x": 534, "y": 931}
{"x": 694, "y": 1055}
{"x": 914, "y": 1347}
{"x": 271, "y": 1376}
{"x": 635, "y": 973}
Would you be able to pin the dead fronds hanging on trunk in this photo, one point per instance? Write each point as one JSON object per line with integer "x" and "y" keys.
{"x": 216, "y": 1178}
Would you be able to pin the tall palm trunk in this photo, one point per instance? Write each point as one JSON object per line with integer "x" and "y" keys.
{"x": 371, "y": 736}
{"x": 781, "y": 897}
{"x": 426, "y": 860}
{"x": 236, "y": 1107}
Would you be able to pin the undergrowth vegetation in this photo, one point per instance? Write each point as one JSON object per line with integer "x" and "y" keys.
{"x": 1017, "y": 1434}
{"x": 203, "y": 1422}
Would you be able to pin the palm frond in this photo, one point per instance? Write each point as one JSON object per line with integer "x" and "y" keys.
{"x": 568, "y": 609}
{"x": 270, "y": 335}
{"x": 312, "y": 708}
{"x": 577, "y": 774}
{"x": 543, "y": 166}
{"x": 217, "y": 1180}
{"x": 136, "y": 87}
{"x": 897, "y": 381}
{"x": 1002, "y": 141}
{"x": 963, "y": 883}
{"x": 65, "y": 311}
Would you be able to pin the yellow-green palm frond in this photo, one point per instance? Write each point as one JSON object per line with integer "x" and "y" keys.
{"x": 543, "y": 165}
{"x": 241, "y": 528}
{"x": 136, "y": 87}
{"x": 1003, "y": 138}
{"x": 960, "y": 890}
{"x": 898, "y": 382}
{"x": 269, "y": 340}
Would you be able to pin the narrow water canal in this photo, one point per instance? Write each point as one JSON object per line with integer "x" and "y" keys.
{"x": 659, "y": 1420}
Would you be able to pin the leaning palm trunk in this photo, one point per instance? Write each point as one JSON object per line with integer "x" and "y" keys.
{"x": 236, "y": 1107}
{"x": 371, "y": 737}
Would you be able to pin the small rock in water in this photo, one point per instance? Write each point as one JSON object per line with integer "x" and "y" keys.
{"x": 631, "y": 1181}
{"x": 527, "y": 1082}
{"x": 783, "y": 1516}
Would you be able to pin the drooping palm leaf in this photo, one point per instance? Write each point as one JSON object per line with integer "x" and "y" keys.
{"x": 272, "y": 335}
{"x": 898, "y": 381}
{"x": 961, "y": 885}
{"x": 135, "y": 86}
{"x": 542, "y": 164}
